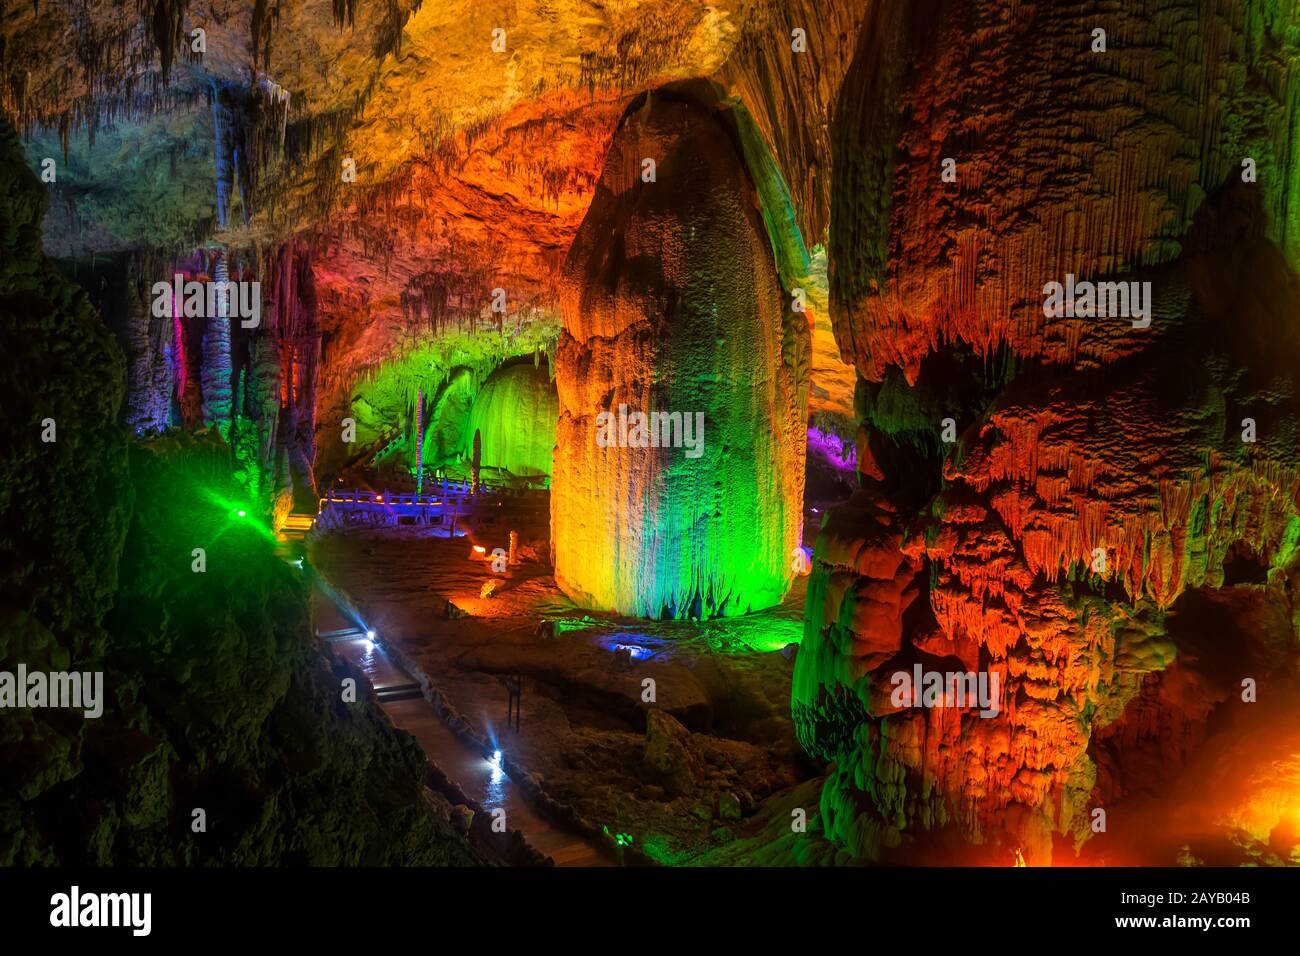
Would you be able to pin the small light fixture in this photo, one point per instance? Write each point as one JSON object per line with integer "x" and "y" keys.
{"x": 370, "y": 635}
{"x": 241, "y": 512}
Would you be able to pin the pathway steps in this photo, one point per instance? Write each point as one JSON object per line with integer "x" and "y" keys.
{"x": 401, "y": 699}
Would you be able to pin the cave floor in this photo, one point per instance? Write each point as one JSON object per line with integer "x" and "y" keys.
{"x": 698, "y": 786}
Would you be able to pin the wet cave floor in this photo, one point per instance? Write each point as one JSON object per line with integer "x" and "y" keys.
{"x": 708, "y": 773}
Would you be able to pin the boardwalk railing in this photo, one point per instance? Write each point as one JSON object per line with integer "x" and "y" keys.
{"x": 449, "y": 494}
{"x": 455, "y": 500}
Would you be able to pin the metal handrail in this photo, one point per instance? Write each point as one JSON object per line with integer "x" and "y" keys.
{"x": 452, "y": 493}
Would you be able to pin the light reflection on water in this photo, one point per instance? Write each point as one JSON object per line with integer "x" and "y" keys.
{"x": 368, "y": 659}
{"x": 640, "y": 647}
{"x": 495, "y": 789}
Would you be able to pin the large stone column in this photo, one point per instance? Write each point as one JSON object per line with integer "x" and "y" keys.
{"x": 671, "y": 304}
{"x": 218, "y": 389}
{"x": 1097, "y": 468}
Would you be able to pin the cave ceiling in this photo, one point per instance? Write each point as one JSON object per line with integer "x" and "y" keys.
{"x": 473, "y": 168}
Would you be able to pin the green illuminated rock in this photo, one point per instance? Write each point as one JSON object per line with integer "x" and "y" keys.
{"x": 672, "y": 306}
{"x": 515, "y": 414}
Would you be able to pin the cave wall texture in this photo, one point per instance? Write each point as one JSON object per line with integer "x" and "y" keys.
{"x": 215, "y": 703}
{"x": 1099, "y": 472}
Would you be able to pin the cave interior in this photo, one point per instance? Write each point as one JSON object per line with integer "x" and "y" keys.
{"x": 756, "y": 432}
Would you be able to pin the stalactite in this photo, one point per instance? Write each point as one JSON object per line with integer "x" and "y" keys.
{"x": 345, "y": 12}
{"x": 266, "y": 17}
{"x": 222, "y": 134}
{"x": 275, "y": 106}
{"x": 165, "y": 18}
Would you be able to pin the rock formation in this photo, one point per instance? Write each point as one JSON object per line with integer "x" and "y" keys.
{"x": 672, "y": 305}
{"x": 514, "y": 413}
{"x": 448, "y": 413}
{"x": 470, "y": 177}
{"x": 1041, "y": 490}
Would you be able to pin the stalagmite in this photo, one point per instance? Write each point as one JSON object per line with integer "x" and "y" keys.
{"x": 672, "y": 309}
{"x": 216, "y": 370}
{"x": 149, "y": 356}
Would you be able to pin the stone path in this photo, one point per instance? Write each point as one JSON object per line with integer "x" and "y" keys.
{"x": 480, "y": 779}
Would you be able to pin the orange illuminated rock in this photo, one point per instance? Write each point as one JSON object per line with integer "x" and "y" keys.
{"x": 1062, "y": 482}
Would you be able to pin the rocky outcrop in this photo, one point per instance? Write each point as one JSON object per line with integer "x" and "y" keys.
{"x": 672, "y": 306}
{"x": 669, "y": 758}
{"x": 65, "y": 493}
